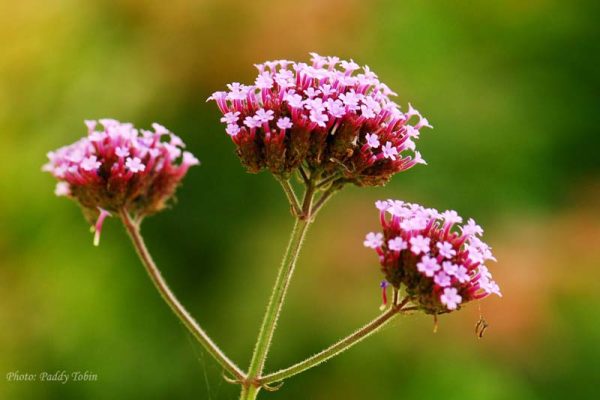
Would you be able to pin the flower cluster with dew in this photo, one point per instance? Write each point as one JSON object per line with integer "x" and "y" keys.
{"x": 438, "y": 260}
{"x": 331, "y": 116}
{"x": 117, "y": 166}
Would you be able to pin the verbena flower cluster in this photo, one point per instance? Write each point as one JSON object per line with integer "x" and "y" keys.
{"x": 333, "y": 116}
{"x": 439, "y": 261}
{"x": 117, "y": 166}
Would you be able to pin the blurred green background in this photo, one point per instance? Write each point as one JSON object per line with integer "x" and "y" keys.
{"x": 512, "y": 88}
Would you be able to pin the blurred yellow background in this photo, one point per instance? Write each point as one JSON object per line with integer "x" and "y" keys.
{"x": 512, "y": 90}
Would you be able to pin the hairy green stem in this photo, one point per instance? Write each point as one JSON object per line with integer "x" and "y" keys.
{"x": 277, "y": 298}
{"x": 339, "y": 347}
{"x": 249, "y": 391}
{"x": 324, "y": 198}
{"x": 291, "y": 195}
{"x": 133, "y": 230}
{"x": 303, "y": 175}
{"x": 269, "y": 323}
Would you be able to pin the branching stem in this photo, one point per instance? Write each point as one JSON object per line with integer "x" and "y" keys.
{"x": 324, "y": 198}
{"x": 291, "y": 195}
{"x": 304, "y": 213}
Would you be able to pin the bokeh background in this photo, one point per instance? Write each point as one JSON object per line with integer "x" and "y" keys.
{"x": 512, "y": 88}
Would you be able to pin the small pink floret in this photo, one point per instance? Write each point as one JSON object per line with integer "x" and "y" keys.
{"x": 428, "y": 266}
{"x": 397, "y": 244}
{"x": 90, "y": 163}
{"x": 372, "y": 140}
{"x": 135, "y": 164}
{"x": 419, "y": 244}
{"x": 450, "y": 298}
{"x": 284, "y": 123}
{"x": 373, "y": 240}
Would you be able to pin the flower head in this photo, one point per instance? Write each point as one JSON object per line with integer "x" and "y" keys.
{"x": 331, "y": 115}
{"x": 440, "y": 263}
{"x": 118, "y": 167}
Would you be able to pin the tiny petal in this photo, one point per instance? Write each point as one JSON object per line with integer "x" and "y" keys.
{"x": 382, "y": 205}
{"x": 135, "y": 164}
{"x": 91, "y": 125}
{"x": 284, "y": 123}
{"x": 389, "y": 151}
{"x": 428, "y": 266}
{"x": 449, "y": 268}
{"x": 471, "y": 228}
{"x": 442, "y": 279}
{"x": 62, "y": 189}
{"x": 159, "y": 129}
{"x": 233, "y": 129}
{"x": 451, "y": 298}
{"x": 372, "y": 140}
{"x": 451, "y": 217}
{"x": 445, "y": 249}
{"x": 231, "y": 118}
{"x": 90, "y": 163}
{"x": 397, "y": 244}
{"x": 189, "y": 159}
{"x": 419, "y": 244}
{"x": 373, "y": 240}
{"x": 122, "y": 152}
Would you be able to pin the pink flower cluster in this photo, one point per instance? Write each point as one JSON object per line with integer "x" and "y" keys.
{"x": 332, "y": 115}
{"x": 439, "y": 260}
{"x": 117, "y": 166}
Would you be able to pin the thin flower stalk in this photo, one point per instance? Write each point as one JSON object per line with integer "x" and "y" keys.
{"x": 340, "y": 346}
{"x": 282, "y": 282}
{"x": 291, "y": 196}
{"x": 170, "y": 298}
